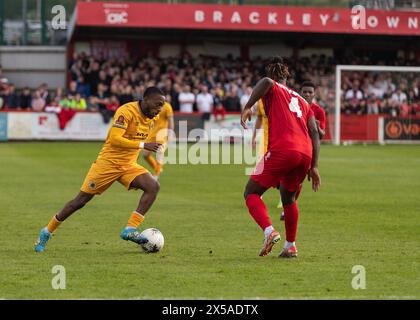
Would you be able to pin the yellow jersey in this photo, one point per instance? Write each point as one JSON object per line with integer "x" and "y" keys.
{"x": 261, "y": 113}
{"x": 129, "y": 128}
{"x": 162, "y": 124}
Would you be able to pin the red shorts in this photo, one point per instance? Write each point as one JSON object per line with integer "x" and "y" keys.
{"x": 287, "y": 167}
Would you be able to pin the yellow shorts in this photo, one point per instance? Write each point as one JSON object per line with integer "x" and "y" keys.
{"x": 102, "y": 174}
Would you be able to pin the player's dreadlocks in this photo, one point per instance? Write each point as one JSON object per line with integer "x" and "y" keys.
{"x": 277, "y": 70}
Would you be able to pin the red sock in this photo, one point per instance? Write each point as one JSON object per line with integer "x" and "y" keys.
{"x": 258, "y": 210}
{"x": 290, "y": 221}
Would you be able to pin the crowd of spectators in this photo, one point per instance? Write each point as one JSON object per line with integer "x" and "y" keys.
{"x": 216, "y": 85}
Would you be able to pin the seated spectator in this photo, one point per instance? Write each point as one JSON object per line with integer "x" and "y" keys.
{"x": 373, "y": 105}
{"x": 12, "y": 99}
{"x": 26, "y": 99}
{"x": 399, "y": 96}
{"x": 78, "y": 102}
{"x": 64, "y": 102}
{"x": 354, "y": 94}
{"x": 44, "y": 93}
{"x": 38, "y": 102}
{"x": 362, "y": 107}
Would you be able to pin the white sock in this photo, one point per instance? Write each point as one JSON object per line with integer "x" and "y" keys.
{"x": 288, "y": 244}
{"x": 268, "y": 230}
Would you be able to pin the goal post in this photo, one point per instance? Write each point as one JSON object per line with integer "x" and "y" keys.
{"x": 336, "y": 119}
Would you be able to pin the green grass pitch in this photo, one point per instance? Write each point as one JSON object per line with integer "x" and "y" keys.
{"x": 366, "y": 213}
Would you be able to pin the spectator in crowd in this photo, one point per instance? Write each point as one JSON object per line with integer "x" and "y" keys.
{"x": 186, "y": 100}
{"x": 38, "y": 101}
{"x": 176, "y": 90}
{"x": 78, "y": 102}
{"x": 112, "y": 106}
{"x": 11, "y": 98}
{"x": 72, "y": 88}
{"x": 93, "y": 76}
{"x": 44, "y": 93}
{"x": 205, "y": 102}
{"x": 227, "y": 80}
{"x": 245, "y": 97}
{"x": 405, "y": 109}
{"x": 126, "y": 94}
{"x": 25, "y": 99}
{"x": 373, "y": 105}
{"x": 231, "y": 102}
{"x": 138, "y": 92}
{"x": 82, "y": 87}
{"x": 354, "y": 96}
{"x": 399, "y": 96}
{"x": 100, "y": 101}
{"x": 218, "y": 109}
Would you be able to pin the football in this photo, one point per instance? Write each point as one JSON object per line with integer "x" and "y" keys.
{"x": 154, "y": 242}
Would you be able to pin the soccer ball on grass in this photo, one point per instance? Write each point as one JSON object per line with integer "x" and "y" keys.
{"x": 154, "y": 242}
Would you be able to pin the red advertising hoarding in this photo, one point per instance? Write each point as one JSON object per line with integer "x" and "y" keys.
{"x": 253, "y": 18}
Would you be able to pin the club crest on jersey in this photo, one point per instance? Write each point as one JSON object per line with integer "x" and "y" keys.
{"x": 92, "y": 185}
{"x": 120, "y": 121}
{"x": 268, "y": 154}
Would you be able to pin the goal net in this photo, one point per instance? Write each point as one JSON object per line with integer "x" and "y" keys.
{"x": 379, "y": 104}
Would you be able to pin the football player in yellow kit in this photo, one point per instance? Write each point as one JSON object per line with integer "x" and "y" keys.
{"x": 161, "y": 132}
{"x": 262, "y": 121}
{"x": 117, "y": 161}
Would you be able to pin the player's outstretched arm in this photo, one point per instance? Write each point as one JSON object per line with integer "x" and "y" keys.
{"x": 260, "y": 89}
{"x": 313, "y": 172}
{"x": 117, "y": 139}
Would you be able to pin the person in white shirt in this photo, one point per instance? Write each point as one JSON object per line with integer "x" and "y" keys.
{"x": 245, "y": 98}
{"x": 186, "y": 100}
{"x": 205, "y": 102}
{"x": 399, "y": 97}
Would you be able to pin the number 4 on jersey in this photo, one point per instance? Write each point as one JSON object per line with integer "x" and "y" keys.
{"x": 294, "y": 107}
